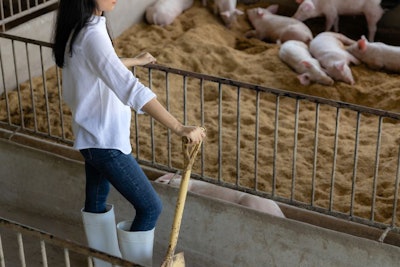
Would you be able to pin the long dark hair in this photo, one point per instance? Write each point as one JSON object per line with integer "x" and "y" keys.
{"x": 72, "y": 16}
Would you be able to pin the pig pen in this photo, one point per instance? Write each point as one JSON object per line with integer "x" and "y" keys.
{"x": 187, "y": 44}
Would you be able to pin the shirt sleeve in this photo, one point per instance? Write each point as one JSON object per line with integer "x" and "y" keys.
{"x": 105, "y": 63}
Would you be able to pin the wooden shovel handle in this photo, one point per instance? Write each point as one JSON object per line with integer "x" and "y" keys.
{"x": 189, "y": 157}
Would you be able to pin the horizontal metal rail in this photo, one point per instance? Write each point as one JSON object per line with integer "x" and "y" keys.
{"x": 24, "y": 8}
{"x": 67, "y": 246}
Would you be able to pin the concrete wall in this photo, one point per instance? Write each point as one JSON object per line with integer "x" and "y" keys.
{"x": 213, "y": 233}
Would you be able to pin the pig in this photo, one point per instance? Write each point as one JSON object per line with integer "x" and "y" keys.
{"x": 226, "y": 194}
{"x": 295, "y": 54}
{"x": 329, "y": 49}
{"x": 164, "y": 12}
{"x": 227, "y": 11}
{"x": 376, "y": 55}
{"x": 371, "y": 9}
{"x": 276, "y": 28}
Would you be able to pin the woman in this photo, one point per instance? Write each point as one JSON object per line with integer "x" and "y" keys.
{"x": 101, "y": 90}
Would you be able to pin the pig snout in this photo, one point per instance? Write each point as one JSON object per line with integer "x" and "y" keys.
{"x": 305, "y": 10}
{"x": 342, "y": 72}
{"x": 227, "y": 11}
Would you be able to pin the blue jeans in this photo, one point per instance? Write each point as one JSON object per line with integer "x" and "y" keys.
{"x": 105, "y": 166}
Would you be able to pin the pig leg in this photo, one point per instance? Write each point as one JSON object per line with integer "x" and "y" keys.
{"x": 252, "y": 33}
{"x": 332, "y": 21}
{"x": 372, "y": 17}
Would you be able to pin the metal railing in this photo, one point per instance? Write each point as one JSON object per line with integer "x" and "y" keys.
{"x": 327, "y": 156}
{"x": 13, "y": 12}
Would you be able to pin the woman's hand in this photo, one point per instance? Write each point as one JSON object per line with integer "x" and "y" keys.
{"x": 139, "y": 60}
{"x": 145, "y": 58}
{"x": 194, "y": 134}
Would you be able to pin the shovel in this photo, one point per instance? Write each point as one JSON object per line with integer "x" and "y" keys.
{"x": 178, "y": 260}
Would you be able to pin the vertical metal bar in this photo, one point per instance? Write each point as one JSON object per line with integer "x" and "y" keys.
{"x": 335, "y": 148}
{"x": 168, "y": 130}
{"x": 202, "y": 124}
{"x": 296, "y": 129}
{"x": 28, "y": 4}
{"x": 19, "y": 6}
{"x": 238, "y": 136}
{"x": 60, "y": 102}
{"x": 185, "y": 100}
{"x": 353, "y": 187}
{"x": 378, "y": 147}
{"x": 5, "y": 89}
{"x": 66, "y": 258}
{"x": 2, "y": 259}
{"x": 396, "y": 191}
{"x": 90, "y": 262}
{"x": 219, "y": 131}
{"x": 46, "y": 95}
{"x": 276, "y": 137}
{"x": 314, "y": 171}
{"x": 11, "y": 7}
{"x": 17, "y": 83}
{"x": 136, "y": 118}
{"x": 152, "y": 140}
{"x": 43, "y": 251}
{"x": 21, "y": 250}
{"x": 32, "y": 91}
{"x": 257, "y": 129}
{"x": 3, "y": 25}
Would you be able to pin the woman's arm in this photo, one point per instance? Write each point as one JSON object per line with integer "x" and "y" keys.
{"x": 139, "y": 60}
{"x": 158, "y": 112}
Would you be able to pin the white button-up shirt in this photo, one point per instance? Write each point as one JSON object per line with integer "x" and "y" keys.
{"x": 100, "y": 91}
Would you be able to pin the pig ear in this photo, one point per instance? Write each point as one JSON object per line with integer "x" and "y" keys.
{"x": 304, "y": 79}
{"x": 306, "y": 64}
{"x": 239, "y": 12}
{"x": 308, "y": 6}
{"x": 362, "y": 44}
{"x": 225, "y": 14}
{"x": 273, "y": 9}
{"x": 299, "y": 1}
{"x": 340, "y": 65}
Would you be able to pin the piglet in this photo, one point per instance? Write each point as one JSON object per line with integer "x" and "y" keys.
{"x": 376, "y": 55}
{"x": 333, "y": 8}
{"x": 164, "y": 12}
{"x": 276, "y": 28}
{"x": 208, "y": 189}
{"x": 295, "y": 54}
{"x": 329, "y": 49}
{"x": 227, "y": 11}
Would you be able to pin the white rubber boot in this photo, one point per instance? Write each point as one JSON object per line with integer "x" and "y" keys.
{"x": 136, "y": 247}
{"x": 101, "y": 233}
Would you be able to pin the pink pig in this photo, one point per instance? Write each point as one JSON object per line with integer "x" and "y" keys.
{"x": 333, "y": 8}
{"x": 295, "y": 54}
{"x": 276, "y": 28}
{"x": 227, "y": 10}
{"x": 164, "y": 12}
{"x": 328, "y": 48}
{"x": 376, "y": 55}
{"x": 208, "y": 189}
